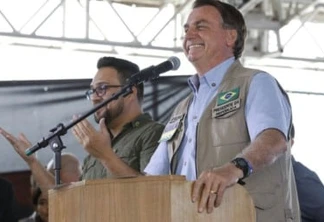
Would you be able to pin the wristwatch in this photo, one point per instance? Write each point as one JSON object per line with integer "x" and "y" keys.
{"x": 244, "y": 165}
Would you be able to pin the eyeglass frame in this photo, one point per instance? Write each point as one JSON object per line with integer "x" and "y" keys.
{"x": 103, "y": 87}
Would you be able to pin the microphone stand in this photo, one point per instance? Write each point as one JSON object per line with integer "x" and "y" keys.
{"x": 54, "y": 138}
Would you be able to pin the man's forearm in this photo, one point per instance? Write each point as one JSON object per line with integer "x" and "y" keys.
{"x": 44, "y": 179}
{"x": 265, "y": 149}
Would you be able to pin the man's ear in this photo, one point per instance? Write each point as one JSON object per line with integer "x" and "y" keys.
{"x": 231, "y": 36}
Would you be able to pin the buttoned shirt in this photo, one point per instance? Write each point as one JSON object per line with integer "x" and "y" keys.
{"x": 134, "y": 145}
{"x": 266, "y": 107}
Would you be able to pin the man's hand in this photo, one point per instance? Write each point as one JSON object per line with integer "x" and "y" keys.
{"x": 20, "y": 144}
{"x": 44, "y": 179}
{"x": 96, "y": 143}
{"x": 209, "y": 188}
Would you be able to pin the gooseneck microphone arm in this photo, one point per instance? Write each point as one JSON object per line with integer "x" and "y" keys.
{"x": 54, "y": 138}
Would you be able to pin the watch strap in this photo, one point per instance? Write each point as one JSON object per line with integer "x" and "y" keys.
{"x": 244, "y": 165}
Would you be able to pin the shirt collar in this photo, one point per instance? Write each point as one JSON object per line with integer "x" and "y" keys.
{"x": 138, "y": 121}
{"x": 212, "y": 77}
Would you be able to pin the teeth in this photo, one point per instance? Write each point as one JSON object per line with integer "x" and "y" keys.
{"x": 195, "y": 46}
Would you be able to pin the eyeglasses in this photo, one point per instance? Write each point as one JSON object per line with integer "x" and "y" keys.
{"x": 100, "y": 90}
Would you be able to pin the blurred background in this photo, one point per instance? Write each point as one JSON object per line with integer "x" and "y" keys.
{"x": 49, "y": 50}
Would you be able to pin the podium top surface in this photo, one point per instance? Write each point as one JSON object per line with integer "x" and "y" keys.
{"x": 171, "y": 178}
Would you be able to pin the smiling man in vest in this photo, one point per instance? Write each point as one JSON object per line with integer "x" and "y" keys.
{"x": 234, "y": 126}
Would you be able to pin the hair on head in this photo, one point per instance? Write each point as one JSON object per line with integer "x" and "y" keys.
{"x": 125, "y": 70}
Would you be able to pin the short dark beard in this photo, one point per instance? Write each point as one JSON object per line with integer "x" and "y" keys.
{"x": 112, "y": 114}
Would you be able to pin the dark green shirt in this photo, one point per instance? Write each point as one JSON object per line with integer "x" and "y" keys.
{"x": 134, "y": 145}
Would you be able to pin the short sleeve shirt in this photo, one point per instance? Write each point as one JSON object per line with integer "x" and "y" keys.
{"x": 134, "y": 145}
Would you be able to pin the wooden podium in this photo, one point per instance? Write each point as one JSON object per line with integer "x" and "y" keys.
{"x": 143, "y": 199}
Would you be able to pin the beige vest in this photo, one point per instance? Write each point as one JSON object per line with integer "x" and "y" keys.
{"x": 222, "y": 134}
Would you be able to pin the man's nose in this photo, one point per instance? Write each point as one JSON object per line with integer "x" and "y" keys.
{"x": 190, "y": 33}
{"x": 95, "y": 98}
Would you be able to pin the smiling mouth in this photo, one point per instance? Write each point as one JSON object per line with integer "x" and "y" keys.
{"x": 195, "y": 46}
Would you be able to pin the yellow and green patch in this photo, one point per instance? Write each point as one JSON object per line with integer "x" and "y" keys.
{"x": 228, "y": 96}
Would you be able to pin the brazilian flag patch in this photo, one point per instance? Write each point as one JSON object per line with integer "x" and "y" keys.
{"x": 227, "y": 103}
{"x": 228, "y": 96}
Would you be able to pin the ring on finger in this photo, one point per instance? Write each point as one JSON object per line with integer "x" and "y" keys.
{"x": 213, "y": 192}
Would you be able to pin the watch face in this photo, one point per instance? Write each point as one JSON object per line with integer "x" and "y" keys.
{"x": 242, "y": 164}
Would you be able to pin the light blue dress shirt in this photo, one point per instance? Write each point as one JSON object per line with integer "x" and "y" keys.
{"x": 266, "y": 107}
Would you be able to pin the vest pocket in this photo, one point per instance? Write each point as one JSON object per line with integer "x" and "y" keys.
{"x": 264, "y": 201}
{"x": 265, "y": 193}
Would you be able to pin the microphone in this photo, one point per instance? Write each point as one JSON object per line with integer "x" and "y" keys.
{"x": 152, "y": 72}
